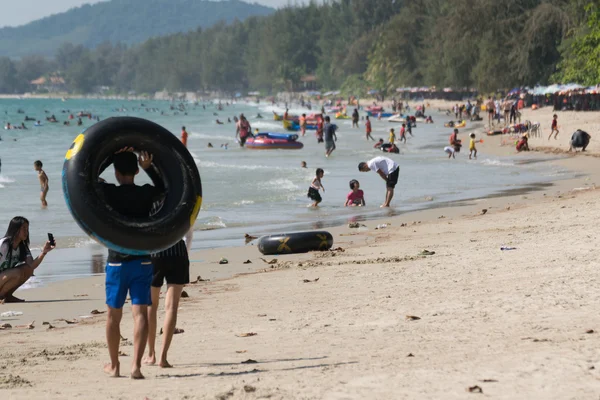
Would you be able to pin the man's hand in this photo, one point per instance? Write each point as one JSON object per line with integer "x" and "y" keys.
{"x": 145, "y": 160}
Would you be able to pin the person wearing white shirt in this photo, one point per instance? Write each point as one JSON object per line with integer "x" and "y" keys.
{"x": 388, "y": 170}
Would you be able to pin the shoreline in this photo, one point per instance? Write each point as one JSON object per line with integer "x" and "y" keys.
{"x": 204, "y": 263}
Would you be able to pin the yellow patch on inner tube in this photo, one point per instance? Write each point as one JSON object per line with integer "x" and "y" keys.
{"x": 196, "y": 210}
{"x": 283, "y": 246}
{"x": 75, "y": 147}
{"x": 324, "y": 243}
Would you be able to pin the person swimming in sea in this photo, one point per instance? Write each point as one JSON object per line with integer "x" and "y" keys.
{"x": 219, "y": 122}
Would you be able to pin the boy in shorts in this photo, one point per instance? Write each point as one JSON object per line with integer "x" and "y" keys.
{"x": 127, "y": 273}
{"x": 172, "y": 265}
{"x": 37, "y": 165}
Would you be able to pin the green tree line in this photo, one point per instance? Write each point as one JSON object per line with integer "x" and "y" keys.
{"x": 355, "y": 45}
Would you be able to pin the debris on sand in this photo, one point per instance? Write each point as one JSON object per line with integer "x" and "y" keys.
{"x": 198, "y": 280}
{"x": 223, "y": 260}
{"x": 412, "y": 318}
{"x": 249, "y": 238}
{"x": 270, "y": 262}
{"x": 310, "y": 281}
{"x": 483, "y": 211}
{"x": 184, "y": 294}
{"x": 247, "y": 262}
{"x": 250, "y": 361}
{"x": 426, "y": 252}
{"x": 96, "y": 312}
{"x": 474, "y": 389}
{"x": 28, "y": 326}
{"x": 247, "y": 334}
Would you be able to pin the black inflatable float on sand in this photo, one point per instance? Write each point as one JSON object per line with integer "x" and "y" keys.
{"x": 299, "y": 242}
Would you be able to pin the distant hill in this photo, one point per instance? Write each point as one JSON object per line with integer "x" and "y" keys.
{"x": 126, "y": 21}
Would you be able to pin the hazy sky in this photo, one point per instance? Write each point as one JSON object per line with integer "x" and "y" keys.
{"x": 19, "y": 12}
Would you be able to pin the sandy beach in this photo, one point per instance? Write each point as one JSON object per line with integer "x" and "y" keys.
{"x": 375, "y": 318}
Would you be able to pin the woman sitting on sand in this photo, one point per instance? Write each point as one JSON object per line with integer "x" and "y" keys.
{"x": 16, "y": 263}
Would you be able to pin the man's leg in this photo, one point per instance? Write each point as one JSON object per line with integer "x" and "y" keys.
{"x": 113, "y": 338}
{"x": 171, "y": 305}
{"x": 152, "y": 323}
{"x": 388, "y": 197}
{"x": 140, "y": 336}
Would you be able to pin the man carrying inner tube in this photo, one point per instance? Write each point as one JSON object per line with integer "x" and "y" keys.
{"x": 128, "y": 273}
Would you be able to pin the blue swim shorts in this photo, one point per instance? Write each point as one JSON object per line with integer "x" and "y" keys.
{"x": 134, "y": 277}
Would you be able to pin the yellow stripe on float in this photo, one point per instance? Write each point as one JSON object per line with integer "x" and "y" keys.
{"x": 196, "y": 210}
{"x": 75, "y": 147}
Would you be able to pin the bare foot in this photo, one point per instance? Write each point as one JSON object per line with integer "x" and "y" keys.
{"x": 383, "y": 206}
{"x": 111, "y": 371}
{"x": 137, "y": 374}
{"x": 12, "y": 299}
{"x": 165, "y": 364}
{"x": 150, "y": 360}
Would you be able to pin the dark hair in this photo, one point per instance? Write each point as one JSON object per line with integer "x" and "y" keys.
{"x": 352, "y": 183}
{"x": 38, "y": 163}
{"x": 126, "y": 163}
{"x": 455, "y": 130}
{"x": 183, "y": 128}
{"x": 13, "y": 228}
{"x": 304, "y": 115}
{"x": 361, "y": 165}
{"x": 367, "y": 117}
{"x": 320, "y": 171}
{"x": 327, "y": 118}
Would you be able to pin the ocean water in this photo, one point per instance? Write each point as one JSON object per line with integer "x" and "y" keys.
{"x": 244, "y": 191}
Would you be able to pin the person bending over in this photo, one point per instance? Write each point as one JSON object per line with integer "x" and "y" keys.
{"x": 16, "y": 263}
{"x": 127, "y": 273}
{"x": 388, "y": 170}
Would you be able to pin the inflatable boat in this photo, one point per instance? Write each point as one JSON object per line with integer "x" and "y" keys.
{"x": 378, "y": 113}
{"x": 270, "y": 141}
{"x": 294, "y": 126}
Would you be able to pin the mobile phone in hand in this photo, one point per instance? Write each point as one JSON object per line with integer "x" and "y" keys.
{"x": 51, "y": 239}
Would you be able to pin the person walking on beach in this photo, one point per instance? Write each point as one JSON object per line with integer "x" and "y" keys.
{"x": 315, "y": 186}
{"x": 554, "y": 127}
{"x": 330, "y": 137}
{"x": 368, "y": 128}
{"x": 43, "y": 178}
{"x": 173, "y": 266}
{"x": 388, "y": 170}
{"x": 16, "y": 262}
{"x": 490, "y": 107}
{"x": 355, "y": 118}
{"x": 129, "y": 273}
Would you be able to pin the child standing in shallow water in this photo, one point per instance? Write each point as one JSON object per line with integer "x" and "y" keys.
{"x": 472, "y": 148}
{"x": 315, "y": 186}
{"x": 43, "y": 182}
